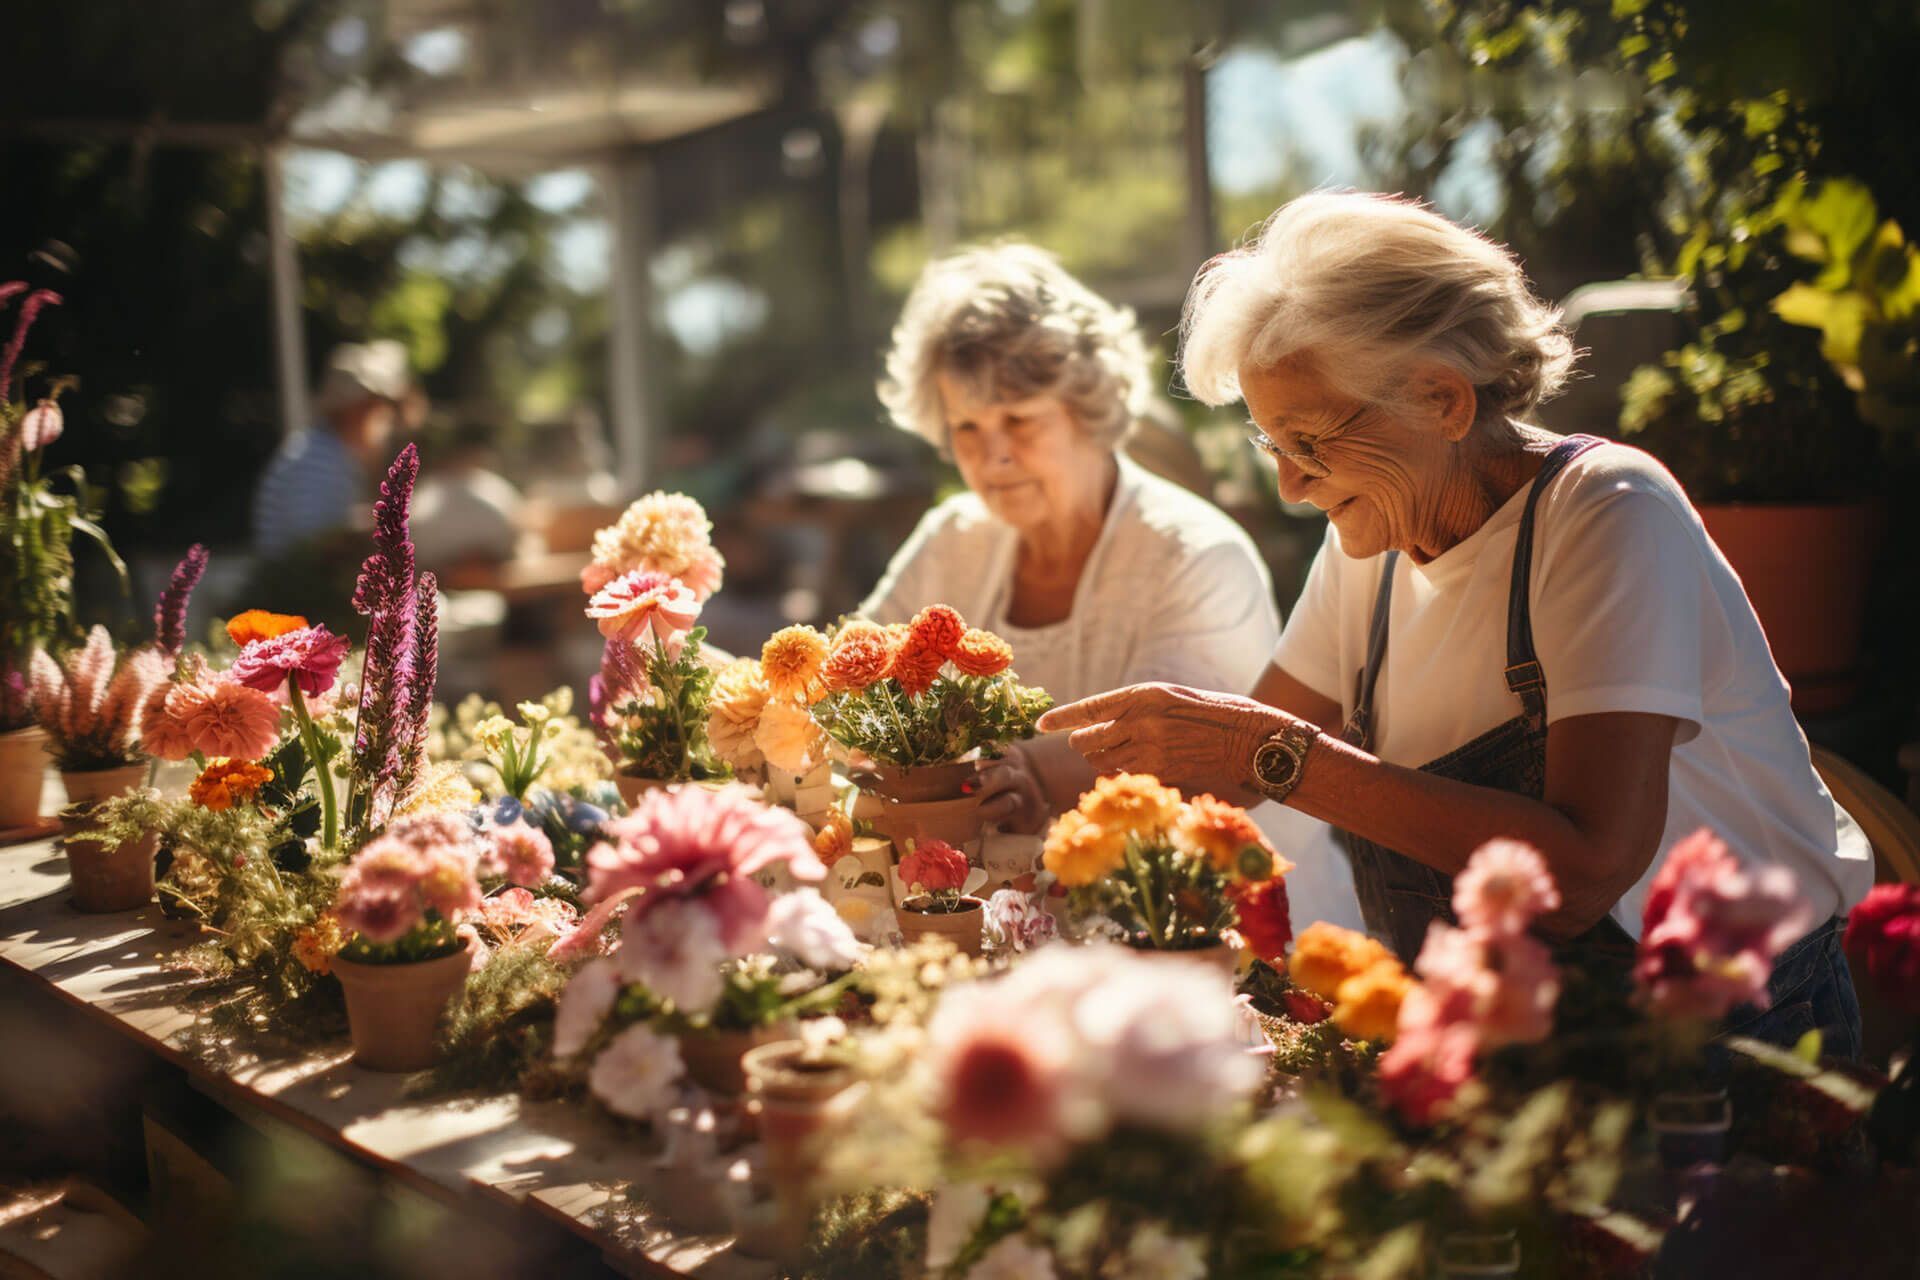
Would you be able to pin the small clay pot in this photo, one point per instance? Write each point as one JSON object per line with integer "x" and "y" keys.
{"x": 962, "y": 928}
{"x": 797, "y": 1101}
{"x": 23, "y": 774}
{"x": 1217, "y": 955}
{"x": 632, "y": 787}
{"x": 393, "y": 1010}
{"x": 917, "y": 784}
{"x": 108, "y": 877}
{"x": 713, "y": 1058}
{"x": 90, "y": 786}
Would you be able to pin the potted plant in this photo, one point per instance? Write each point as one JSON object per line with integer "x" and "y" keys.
{"x": 89, "y": 704}
{"x": 110, "y": 846}
{"x": 39, "y": 517}
{"x": 400, "y": 900}
{"x": 1174, "y": 876}
{"x": 924, "y": 702}
{"x": 933, "y": 880}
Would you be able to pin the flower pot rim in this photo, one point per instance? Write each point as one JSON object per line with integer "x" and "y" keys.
{"x": 779, "y": 1056}
{"x": 370, "y": 974}
{"x": 968, "y": 905}
{"x": 23, "y": 731}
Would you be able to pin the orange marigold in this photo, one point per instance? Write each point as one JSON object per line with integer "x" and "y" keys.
{"x": 258, "y": 624}
{"x": 834, "y": 840}
{"x": 940, "y": 628}
{"x": 1368, "y": 1007}
{"x": 862, "y": 653}
{"x": 1220, "y": 832}
{"x": 1134, "y": 804}
{"x": 1080, "y": 851}
{"x": 225, "y": 783}
{"x": 1325, "y": 955}
{"x": 982, "y": 653}
{"x": 316, "y": 945}
{"x": 791, "y": 662}
{"x": 916, "y": 665}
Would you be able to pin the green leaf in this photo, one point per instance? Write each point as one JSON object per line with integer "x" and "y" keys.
{"x": 83, "y": 525}
{"x": 1807, "y": 1047}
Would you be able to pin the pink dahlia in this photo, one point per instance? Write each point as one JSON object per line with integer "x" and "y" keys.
{"x": 1504, "y": 888}
{"x": 308, "y": 656}
{"x": 225, "y": 718}
{"x": 521, "y": 853}
{"x": 690, "y": 842}
{"x": 418, "y": 865}
{"x": 641, "y": 603}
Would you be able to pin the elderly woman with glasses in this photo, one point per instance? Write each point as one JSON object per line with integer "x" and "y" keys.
{"x": 1507, "y": 633}
{"x": 1100, "y": 574}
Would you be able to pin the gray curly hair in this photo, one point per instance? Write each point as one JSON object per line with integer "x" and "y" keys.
{"x": 1364, "y": 285}
{"x": 1008, "y": 321}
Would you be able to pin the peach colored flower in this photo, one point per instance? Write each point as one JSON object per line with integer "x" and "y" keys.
{"x": 316, "y": 945}
{"x": 665, "y": 533}
{"x": 639, "y": 604}
{"x": 834, "y": 840}
{"x": 791, "y": 662}
{"x": 982, "y": 653}
{"x": 788, "y": 737}
{"x": 1504, "y": 887}
{"x": 258, "y": 624}
{"x": 161, "y": 734}
{"x": 1369, "y": 1002}
{"x": 225, "y": 718}
{"x": 733, "y": 713}
{"x": 862, "y": 654}
{"x": 1220, "y": 832}
{"x": 916, "y": 665}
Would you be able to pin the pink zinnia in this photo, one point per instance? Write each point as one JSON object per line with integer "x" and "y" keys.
{"x": 309, "y": 656}
{"x": 224, "y": 718}
{"x": 522, "y": 854}
{"x": 1430, "y": 1060}
{"x": 1504, "y": 888}
{"x": 639, "y": 603}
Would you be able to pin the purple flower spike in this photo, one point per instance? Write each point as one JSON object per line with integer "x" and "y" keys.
{"x": 170, "y": 614}
{"x": 29, "y": 311}
{"x": 386, "y": 749}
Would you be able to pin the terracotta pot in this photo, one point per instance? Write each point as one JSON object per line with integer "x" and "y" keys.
{"x": 108, "y": 877}
{"x": 393, "y": 1010}
{"x": 713, "y": 1057}
{"x": 798, "y": 1102}
{"x": 1217, "y": 956}
{"x": 1805, "y": 568}
{"x": 916, "y": 783}
{"x": 962, "y": 928}
{"x": 23, "y": 775}
{"x": 633, "y": 787}
{"x": 90, "y": 786}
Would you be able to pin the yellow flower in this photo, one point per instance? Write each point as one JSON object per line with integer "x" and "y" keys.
{"x": 1368, "y": 1004}
{"x": 1080, "y": 851}
{"x": 1325, "y": 955}
{"x": 534, "y": 713}
{"x": 791, "y": 662}
{"x": 1132, "y": 804}
{"x": 788, "y": 737}
{"x": 1220, "y": 832}
{"x": 493, "y": 732}
{"x": 316, "y": 945}
{"x": 443, "y": 788}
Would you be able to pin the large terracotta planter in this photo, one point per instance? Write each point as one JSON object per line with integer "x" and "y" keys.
{"x": 23, "y": 774}
{"x": 107, "y": 876}
{"x": 1805, "y": 568}
{"x": 90, "y": 786}
{"x": 928, "y": 802}
{"x": 713, "y": 1058}
{"x": 962, "y": 928}
{"x": 393, "y": 1010}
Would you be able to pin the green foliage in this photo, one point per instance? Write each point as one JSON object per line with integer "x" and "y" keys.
{"x": 955, "y": 717}
{"x": 430, "y": 940}
{"x": 662, "y": 732}
{"x": 499, "y": 1029}
{"x": 1171, "y": 899}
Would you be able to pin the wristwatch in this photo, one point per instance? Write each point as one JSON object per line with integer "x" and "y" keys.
{"x": 1279, "y": 761}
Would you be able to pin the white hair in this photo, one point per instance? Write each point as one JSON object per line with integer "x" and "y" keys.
{"x": 1009, "y": 322}
{"x": 1364, "y": 286}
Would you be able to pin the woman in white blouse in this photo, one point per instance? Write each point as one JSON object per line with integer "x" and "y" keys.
{"x": 1097, "y": 572}
{"x": 1507, "y": 633}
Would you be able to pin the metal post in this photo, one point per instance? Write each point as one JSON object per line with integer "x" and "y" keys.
{"x": 628, "y": 186}
{"x": 289, "y": 327}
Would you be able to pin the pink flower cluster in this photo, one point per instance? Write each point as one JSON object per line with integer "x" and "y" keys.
{"x": 640, "y": 604}
{"x": 419, "y": 865}
{"x": 1486, "y": 983}
{"x": 513, "y": 917}
{"x": 211, "y": 713}
{"x": 90, "y": 702}
{"x": 1711, "y": 930}
{"x": 308, "y": 656}
{"x": 519, "y": 853}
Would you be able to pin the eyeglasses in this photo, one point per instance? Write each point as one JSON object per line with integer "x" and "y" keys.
{"x": 1309, "y": 466}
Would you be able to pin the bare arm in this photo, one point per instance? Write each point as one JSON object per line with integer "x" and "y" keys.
{"x": 1278, "y": 689}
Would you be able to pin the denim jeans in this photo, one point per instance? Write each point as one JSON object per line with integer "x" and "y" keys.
{"x": 1811, "y": 988}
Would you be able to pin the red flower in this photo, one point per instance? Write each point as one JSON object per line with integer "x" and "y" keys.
{"x": 935, "y": 866}
{"x": 1305, "y": 1007}
{"x": 309, "y": 656}
{"x": 1264, "y": 922}
{"x": 939, "y": 628}
{"x": 1883, "y": 932}
{"x": 915, "y": 666}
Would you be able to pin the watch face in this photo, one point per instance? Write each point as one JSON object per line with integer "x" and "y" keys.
{"x": 1275, "y": 765}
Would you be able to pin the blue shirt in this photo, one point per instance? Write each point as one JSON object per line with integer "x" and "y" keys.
{"x": 312, "y": 485}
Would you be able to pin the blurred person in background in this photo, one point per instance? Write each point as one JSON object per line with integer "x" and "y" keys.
{"x": 467, "y": 517}
{"x": 317, "y": 480}
{"x": 1099, "y": 573}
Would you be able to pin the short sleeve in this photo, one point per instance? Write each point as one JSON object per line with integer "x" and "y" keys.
{"x": 1618, "y": 621}
{"x": 913, "y": 577}
{"x": 1309, "y": 648}
{"x": 1218, "y": 626}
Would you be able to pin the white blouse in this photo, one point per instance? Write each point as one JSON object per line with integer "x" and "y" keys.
{"x": 1174, "y": 590}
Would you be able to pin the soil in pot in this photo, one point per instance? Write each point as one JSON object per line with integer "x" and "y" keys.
{"x": 962, "y": 928}
{"x": 393, "y": 1010}
{"x": 23, "y": 775}
{"x": 108, "y": 877}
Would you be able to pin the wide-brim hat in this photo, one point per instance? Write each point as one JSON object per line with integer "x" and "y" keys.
{"x": 361, "y": 371}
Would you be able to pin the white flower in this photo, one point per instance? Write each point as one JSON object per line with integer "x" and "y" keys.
{"x": 1156, "y": 1254}
{"x": 676, "y": 950}
{"x": 821, "y": 1034}
{"x": 804, "y": 926}
{"x": 583, "y": 1006}
{"x": 638, "y": 1073}
{"x": 957, "y": 1210}
{"x": 1014, "y": 1259}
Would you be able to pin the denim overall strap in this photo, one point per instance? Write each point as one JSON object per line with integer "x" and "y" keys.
{"x": 1524, "y": 675}
{"x": 1359, "y": 727}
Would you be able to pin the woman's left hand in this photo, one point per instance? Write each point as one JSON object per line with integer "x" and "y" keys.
{"x": 1012, "y": 797}
{"x": 1193, "y": 739}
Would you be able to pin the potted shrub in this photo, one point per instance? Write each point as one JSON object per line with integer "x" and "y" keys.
{"x": 400, "y": 900}
{"x": 1175, "y": 876}
{"x": 924, "y": 702}
{"x": 89, "y": 705}
{"x": 110, "y": 846}
{"x": 933, "y": 881}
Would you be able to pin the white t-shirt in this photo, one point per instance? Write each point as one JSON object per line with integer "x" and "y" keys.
{"x": 1634, "y": 609}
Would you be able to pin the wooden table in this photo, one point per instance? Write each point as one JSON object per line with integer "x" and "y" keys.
{"x": 477, "y": 1152}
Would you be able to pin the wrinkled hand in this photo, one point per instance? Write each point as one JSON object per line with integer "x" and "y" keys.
{"x": 1013, "y": 796}
{"x": 1189, "y": 738}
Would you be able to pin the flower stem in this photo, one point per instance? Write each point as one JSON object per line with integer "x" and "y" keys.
{"x": 906, "y": 744}
{"x": 1141, "y": 886}
{"x": 310, "y": 736}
